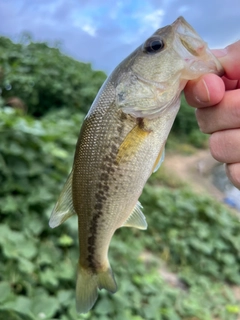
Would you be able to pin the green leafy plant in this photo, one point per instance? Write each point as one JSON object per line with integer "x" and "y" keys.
{"x": 44, "y": 79}
{"x": 195, "y": 231}
{"x": 37, "y": 269}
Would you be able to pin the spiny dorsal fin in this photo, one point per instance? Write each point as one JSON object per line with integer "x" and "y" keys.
{"x": 64, "y": 207}
{"x": 136, "y": 218}
{"x": 159, "y": 160}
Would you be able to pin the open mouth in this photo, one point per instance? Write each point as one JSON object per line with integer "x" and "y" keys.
{"x": 193, "y": 50}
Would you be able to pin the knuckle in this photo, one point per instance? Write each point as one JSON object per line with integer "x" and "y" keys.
{"x": 215, "y": 145}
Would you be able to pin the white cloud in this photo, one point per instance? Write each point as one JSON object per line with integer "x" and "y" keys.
{"x": 154, "y": 19}
{"x": 115, "y": 27}
{"x": 89, "y": 29}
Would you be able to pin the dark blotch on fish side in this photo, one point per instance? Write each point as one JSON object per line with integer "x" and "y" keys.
{"x": 114, "y": 148}
{"x": 106, "y": 188}
{"x": 91, "y": 241}
{"x": 120, "y": 129}
{"x": 98, "y": 206}
{"x": 107, "y": 168}
{"x": 123, "y": 116}
{"x": 99, "y": 197}
{"x": 110, "y": 170}
{"x": 104, "y": 176}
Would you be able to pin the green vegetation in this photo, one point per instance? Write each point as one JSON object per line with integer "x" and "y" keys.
{"x": 198, "y": 238}
{"x": 44, "y": 79}
{"x": 37, "y": 78}
{"x": 191, "y": 226}
{"x": 195, "y": 237}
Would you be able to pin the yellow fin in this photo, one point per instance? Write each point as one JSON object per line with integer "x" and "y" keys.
{"x": 136, "y": 218}
{"x": 131, "y": 143}
{"x": 64, "y": 207}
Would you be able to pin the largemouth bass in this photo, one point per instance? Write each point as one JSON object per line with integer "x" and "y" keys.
{"x": 121, "y": 143}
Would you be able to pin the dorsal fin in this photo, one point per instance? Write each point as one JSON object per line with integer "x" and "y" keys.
{"x": 136, "y": 218}
{"x": 64, "y": 207}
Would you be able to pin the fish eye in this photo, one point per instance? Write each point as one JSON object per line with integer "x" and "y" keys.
{"x": 153, "y": 45}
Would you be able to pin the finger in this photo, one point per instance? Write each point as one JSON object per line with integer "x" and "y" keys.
{"x": 233, "y": 173}
{"x": 225, "y": 115}
{"x": 230, "y": 60}
{"x": 231, "y": 84}
{"x": 224, "y": 146}
{"x": 206, "y": 91}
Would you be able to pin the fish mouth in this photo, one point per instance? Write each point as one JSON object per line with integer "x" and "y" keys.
{"x": 193, "y": 50}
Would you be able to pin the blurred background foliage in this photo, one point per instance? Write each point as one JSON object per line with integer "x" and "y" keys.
{"x": 45, "y": 79}
{"x": 192, "y": 236}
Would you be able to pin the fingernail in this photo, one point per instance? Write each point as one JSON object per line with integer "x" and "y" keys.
{"x": 219, "y": 53}
{"x": 205, "y": 95}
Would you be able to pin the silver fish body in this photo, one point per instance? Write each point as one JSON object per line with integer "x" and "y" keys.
{"x": 121, "y": 143}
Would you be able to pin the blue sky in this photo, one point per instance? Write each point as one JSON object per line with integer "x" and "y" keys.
{"x": 104, "y": 32}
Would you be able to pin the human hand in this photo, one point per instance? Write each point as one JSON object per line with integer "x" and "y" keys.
{"x": 217, "y": 100}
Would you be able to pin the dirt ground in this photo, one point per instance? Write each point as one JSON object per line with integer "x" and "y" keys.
{"x": 194, "y": 170}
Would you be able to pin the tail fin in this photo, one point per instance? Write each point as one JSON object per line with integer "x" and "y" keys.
{"x": 88, "y": 284}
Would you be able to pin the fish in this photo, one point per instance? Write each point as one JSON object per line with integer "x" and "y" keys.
{"x": 121, "y": 143}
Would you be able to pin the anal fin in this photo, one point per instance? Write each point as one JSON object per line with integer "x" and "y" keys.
{"x": 136, "y": 218}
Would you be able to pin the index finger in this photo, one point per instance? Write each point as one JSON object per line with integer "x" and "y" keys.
{"x": 230, "y": 60}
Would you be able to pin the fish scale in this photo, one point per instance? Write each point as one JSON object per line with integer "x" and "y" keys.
{"x": 121, "y": 143}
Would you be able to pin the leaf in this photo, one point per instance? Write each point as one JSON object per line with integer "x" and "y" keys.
{"x": 4, "y": 231}
{"x": 44, "y": 306}
{"x": 104, "y": 307}
{"x": 27, "y": 249}
{"x": 65, "y": 270}
{"x": 65, "y": 297}
{"x": 9, "y": 205}
{"x": 48, "y": 278}
{"x": 233, "y": 309}
{"x": 13, "y": 315}
{"x": 65, "y": 241}
{"x": 25, "y": 265}
{"x": 35, "y": 224}
{"x": 5, "y": 291}
{"x": 22, "y": 304}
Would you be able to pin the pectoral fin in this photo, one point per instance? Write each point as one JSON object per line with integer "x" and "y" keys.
{"x": 159, "y": 159}
{"x": 136, "y": 218}
{"x": 132, "y": 143}
{"x": 64, "y": 206}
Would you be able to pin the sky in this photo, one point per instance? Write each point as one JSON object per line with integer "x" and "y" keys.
{"x": 104, "y": 32}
